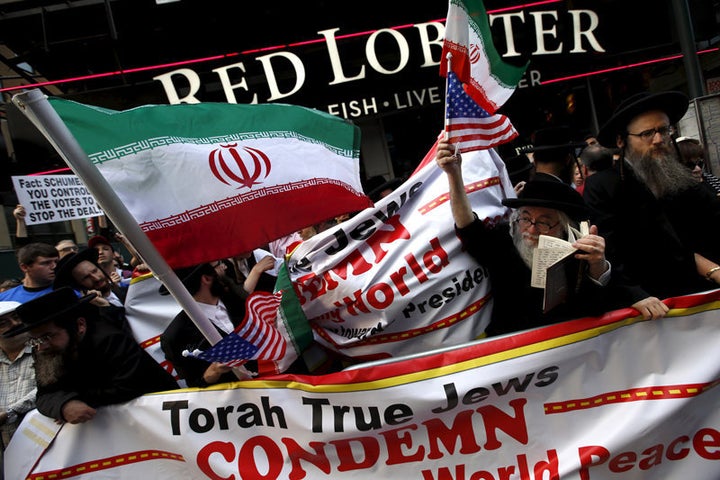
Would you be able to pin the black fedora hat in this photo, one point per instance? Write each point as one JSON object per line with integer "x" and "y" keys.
{"x": 558, "y": 138}
{"x": 518, "y": 167}
{"x": 52, "y": 306}
{"x": 674, "y": 104}
{"x": 550, "y": 194}
{"x": 64, "y": 268}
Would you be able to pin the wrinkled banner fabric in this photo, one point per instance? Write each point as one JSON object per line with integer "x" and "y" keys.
{"x": 608, "y": 398}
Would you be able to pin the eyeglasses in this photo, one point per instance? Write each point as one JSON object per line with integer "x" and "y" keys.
{"x": 34, "y": 342}
{"x": 542, "y": 227}
{"x": 68, "y": 249}
{"x": 648, "y": 135}
{"x": 692, "y": 165}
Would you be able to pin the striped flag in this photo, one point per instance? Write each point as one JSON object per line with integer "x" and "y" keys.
{"x": 274, "y": 331}
{"x": 194, "y": 176}
{"x": 487, "y": 78}
{"x": 469, "y": 126}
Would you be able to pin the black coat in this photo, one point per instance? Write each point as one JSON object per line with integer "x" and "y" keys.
{"x": 517, "y": 305}
{"x": 648, "y": 256}
{"x": 182, "y": 334}
{"x": 695, "y": 216}
{"x": 110, "y": 368}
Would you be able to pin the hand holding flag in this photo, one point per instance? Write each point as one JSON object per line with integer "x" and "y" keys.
{"x": 488, "y": 79}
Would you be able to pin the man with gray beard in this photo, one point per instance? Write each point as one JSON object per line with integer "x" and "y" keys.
{"x": 543, "y": 207}
{"x": 660, "y": 229}
{"x": 81, "y": 362}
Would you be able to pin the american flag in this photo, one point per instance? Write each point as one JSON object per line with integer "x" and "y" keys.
{"x": 471, "y": 127}
{"x": 256, "y": 338}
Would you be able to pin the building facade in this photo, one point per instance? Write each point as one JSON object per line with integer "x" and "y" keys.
{"x": 375, "y": 64}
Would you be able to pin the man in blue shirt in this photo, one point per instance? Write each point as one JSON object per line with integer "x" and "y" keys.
{"x": 37, "y": 261}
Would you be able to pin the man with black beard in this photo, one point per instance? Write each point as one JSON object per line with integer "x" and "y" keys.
{"x": 547, "y": 207}
{"x": 661, "y": 229}
{"x": 82, "y": 363}
{"x": 221, "y": 307}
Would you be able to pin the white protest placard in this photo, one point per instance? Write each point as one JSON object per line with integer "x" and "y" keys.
{"x": 54, "y": 198}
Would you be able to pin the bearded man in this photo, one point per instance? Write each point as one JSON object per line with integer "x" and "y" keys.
{"x": 225, "y": 311}
{"x": 547, "y": 207}
{"x": 657, "y": 224}
{"x": 82, "y": 363}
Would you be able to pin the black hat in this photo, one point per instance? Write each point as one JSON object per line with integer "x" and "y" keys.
{"x": 550, "y": 194}
{"x": 674, "y": 104}
{"x": 64, "y": 268}
{"x": 518, "y": 167}
{"x": 56, "y": 305}
{"x": 391, "y": 184}
{"x": 560, "y": 138}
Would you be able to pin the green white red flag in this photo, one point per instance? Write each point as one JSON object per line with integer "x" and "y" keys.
{"x": 212, "y": 180}
{"x": 486, "y": 77}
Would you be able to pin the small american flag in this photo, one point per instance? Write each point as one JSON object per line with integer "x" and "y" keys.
{"x": 256, "y": 338}
{"x": 469, "y": 126}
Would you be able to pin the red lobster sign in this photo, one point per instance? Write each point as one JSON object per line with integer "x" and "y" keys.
{"x": 245, "y": 168}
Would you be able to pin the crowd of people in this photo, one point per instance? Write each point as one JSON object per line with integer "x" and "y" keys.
{"x": 653, "y": 219}
{"x": 654, "y": 212}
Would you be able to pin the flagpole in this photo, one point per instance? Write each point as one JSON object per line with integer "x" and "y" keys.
{"x": 37, "y": 109}
{"x": 447, "y": 90}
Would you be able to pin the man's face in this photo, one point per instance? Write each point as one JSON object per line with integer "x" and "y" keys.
{"x": 653, "y": 156}
{"x": 105, "y": 253}
{"x": 307, "y": 232}
{"x": 531, "y": 223}
{"x": 48, "y": 339}
{"x": 66, "y": 247}
{"x": 54, "y": 350}
{"x": 42, "y": 271}
{"x": 91, "y": 277}
{"x": 654, "y": 144}
{"x": 536, "y": 221}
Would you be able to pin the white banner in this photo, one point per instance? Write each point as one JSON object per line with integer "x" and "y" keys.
{"x": 593, "y": 399}
{"x": 54, "y": 198}
{"x": 394, "y": 279}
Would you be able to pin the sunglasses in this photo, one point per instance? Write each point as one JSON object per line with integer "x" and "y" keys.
{"x": 692, "y": 165}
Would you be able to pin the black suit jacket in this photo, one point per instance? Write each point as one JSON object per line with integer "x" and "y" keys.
{"x": 647, "y": 255}
{"x": 517, "y": 305}
{"x": 182, "y": 334}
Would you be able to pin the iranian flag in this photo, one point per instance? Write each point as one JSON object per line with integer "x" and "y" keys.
{"x": 486, "y": 77}
{"x": 212, "y": 180}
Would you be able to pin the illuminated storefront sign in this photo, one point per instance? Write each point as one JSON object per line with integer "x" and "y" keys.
{"x": 387, "y": 52}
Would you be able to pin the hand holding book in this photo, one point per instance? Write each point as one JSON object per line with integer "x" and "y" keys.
{"x": 559, "y": 265}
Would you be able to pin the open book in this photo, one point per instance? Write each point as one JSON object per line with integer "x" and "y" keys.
{"x": 556, "y": 269}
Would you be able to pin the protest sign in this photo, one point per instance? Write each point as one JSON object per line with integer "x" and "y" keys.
{"x": 54, "y": 198}
{"x": 613, "y": 397}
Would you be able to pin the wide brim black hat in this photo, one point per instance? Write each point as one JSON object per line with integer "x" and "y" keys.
{"x": 674, "y": 104}
{"x": 550, "y": 194}
{"x": 560, "y": 138}
{"x": 517, "y": 165}
{"x": 52, "y": 306}
{"x": 64, "y": 267}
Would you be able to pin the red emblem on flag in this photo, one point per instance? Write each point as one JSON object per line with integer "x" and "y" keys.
{"x": 245, "y": 167}
{"x": 474, "y": 53}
